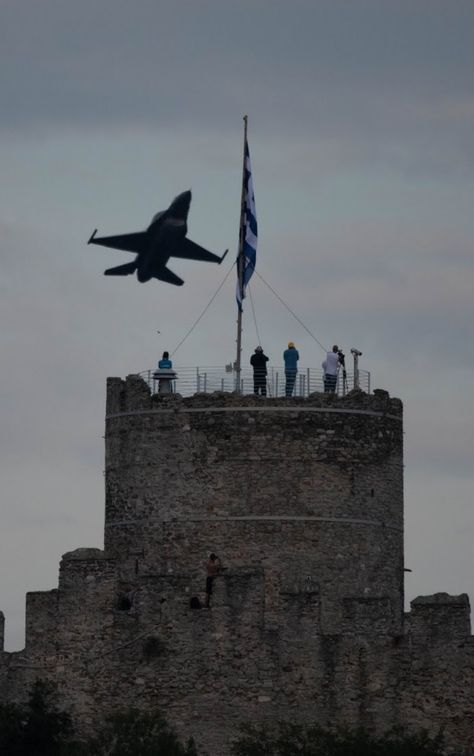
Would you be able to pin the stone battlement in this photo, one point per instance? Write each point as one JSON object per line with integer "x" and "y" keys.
{"x": 134, "y": 393}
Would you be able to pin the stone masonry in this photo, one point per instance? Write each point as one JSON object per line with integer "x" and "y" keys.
{"x": 302, "y": 499}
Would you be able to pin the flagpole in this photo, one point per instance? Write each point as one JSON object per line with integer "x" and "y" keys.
{"x": 240, "y": 270}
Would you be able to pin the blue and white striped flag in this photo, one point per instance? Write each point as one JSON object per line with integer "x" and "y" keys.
{"x": 248, "y": 231}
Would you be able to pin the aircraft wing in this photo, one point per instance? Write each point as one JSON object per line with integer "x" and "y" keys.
{"x": 126, "y": 242}
{"x": 189, "y": 250}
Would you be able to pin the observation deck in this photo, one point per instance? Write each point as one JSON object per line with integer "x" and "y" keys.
{"x": 207, "y": 380}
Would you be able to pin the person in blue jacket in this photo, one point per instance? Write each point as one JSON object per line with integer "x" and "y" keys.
{"x": 165, "y": 362}
{"x": 291, "y": 358}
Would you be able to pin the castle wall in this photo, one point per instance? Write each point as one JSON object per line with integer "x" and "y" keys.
{"x": 303, "y": 501}
{"x": 439, "y": 683}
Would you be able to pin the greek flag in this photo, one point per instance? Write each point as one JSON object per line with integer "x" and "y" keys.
{"x": 248, "y": 232}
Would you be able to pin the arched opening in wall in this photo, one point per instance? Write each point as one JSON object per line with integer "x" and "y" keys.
{"x": 124, "y": 604}
{"x": 126, "y": 598}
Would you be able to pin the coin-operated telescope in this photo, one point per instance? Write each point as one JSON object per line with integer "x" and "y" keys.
{"x": 356, "y": 353}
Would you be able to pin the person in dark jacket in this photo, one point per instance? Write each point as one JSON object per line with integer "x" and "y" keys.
{"x": 291, "y": 358}
{"x": 259, "y": 361}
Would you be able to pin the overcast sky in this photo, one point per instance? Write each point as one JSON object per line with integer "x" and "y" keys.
{"x": 361, "y": 123}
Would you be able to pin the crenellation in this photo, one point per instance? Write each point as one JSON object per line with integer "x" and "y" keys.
{"x": 41, "y": 622}
{"x": 137, "y": 394}
{"x": 441, "y": 618}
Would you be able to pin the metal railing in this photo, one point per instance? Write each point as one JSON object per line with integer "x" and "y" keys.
{"x": 206, "y": 380}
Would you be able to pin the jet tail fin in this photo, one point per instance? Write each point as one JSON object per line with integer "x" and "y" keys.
{"x": 121, "y": 270}
{"x": 165, "y": 274}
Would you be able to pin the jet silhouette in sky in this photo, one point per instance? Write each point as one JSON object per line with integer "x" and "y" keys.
{"x": 165, "y": 237}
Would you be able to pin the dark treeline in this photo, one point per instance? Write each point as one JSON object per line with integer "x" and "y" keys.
{"x": 40, "y": 728}
{"x": 299, "y": 740}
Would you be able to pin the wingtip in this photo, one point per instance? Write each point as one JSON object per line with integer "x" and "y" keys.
{"x": 91, "y": 238}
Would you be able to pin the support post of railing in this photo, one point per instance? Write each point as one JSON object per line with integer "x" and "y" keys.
{"x": 308, "y": 379}
{"x": 205, "y": 383}
{"x": 222, "y": 385}
{"x": 198, "y": 381}
{"x": 276, "y": 384}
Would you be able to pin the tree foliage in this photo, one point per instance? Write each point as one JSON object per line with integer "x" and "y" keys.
{"x": 298, "y": 740}
{"x": 135, "y": 733}
{"x": 38, "y": 728}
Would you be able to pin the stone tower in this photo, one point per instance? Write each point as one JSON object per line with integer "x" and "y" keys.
{"x": 309, "y": 493}
{"x": 302, "y": 499}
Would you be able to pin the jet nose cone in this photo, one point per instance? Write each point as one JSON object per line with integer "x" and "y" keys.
{"x": 181, "y": 205}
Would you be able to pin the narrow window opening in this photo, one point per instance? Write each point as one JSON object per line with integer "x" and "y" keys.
{"x": 124, "y": 603}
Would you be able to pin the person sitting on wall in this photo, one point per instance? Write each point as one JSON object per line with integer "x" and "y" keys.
{"x": 213, "y": 567}
{"x": 259, "y": 363}
{"x": 165, "y": 362}
{"x": 291, "y": 358}
{"x": 331, "y": 367}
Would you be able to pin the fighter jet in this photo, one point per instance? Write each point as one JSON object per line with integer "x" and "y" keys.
{"x": 165, "y": 237}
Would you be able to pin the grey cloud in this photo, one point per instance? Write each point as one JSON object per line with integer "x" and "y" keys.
{"x": 440, "y": 436}
{"x": 439, "y": 530}
{"x": 390, "y": 83}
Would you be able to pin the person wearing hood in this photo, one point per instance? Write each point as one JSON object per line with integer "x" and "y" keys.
{"x": 259, "y": 361}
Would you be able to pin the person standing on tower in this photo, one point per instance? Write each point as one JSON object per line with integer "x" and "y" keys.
{"x": 291, "y": 358}
{"x": 331, "y": 367}
{"x": 259, "y": 361}
{"x": 165, "y": 362}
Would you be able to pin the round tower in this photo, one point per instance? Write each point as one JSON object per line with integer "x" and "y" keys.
{"x": 309, "y": 490}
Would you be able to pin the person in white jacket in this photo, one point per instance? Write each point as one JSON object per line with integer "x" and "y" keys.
{"x": 331, "y": 367}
